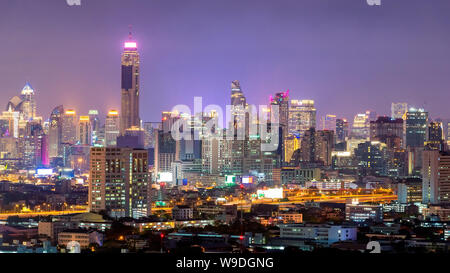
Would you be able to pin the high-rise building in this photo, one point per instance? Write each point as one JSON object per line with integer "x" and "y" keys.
{"x": 361, "y": 126}
{"x": 165, "y": 152}
{"x": 448, "y": 134}
{"x": 95, "y": 127}
{"x": 69, "y": 127}
{"x": 416, "y": 127}
{"x": 341, "y": 130}
{"x": 28, "y": 104}
{"x": 237, "y": 96}
{"x": 302, "y": 117}
{"x": 387, "y": 130}
{"x": 112, "y": 128}
{"x": 55, "y": 132}
{"x": 33, "y": 147}
{"x": 84, "y": 131}
{"x": 282, "y": 101}
{"x": 129, "y": 115}
{"x": 24, "y": 104}
{"x": 436, "y": 177}
{"x": 435, "y": 136}
{"x": 329, "y": 122}
{"x": 119, "y": 182}
{"x": 291, "y": 144}
{"x": 398, "y": 110}
{"x": 371, "y": 158}
{"x": 151, "y": 129}
{"x": 240, "y": 106}
{"x": 317, "y": 146}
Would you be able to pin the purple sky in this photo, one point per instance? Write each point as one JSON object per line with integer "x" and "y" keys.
{"x": 344, "y": 54}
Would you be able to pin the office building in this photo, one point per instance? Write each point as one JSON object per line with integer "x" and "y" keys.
{"x": 119, "y": 182}
{"x": 416, "y": 127}
{"x": 129, "y": 115}
{"x": 69, "y": 127}
{"x": 84, "y": 131}
{"x": 436, "y": 177}
{"x": 341, "y": 130}
{"x": 302, "y": 117}
{"x": 112, "y": 128}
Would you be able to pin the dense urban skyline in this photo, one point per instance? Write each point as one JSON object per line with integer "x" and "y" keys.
{"x": 344, "y": 52}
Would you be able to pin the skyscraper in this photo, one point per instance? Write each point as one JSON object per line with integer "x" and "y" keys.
{"x": 239, "y": 104}
{"x": 69, "y": 127}
{"x": 302, "y": 117}
{"x": 28, "y": 104}
{"x": 95, "y": 126}
{"x": 416, "y": 127}
{"x": 119, "y": 182}
{"x": 282, "y": 101}
{"x": 341, "y": 130}
{"x": 361, "y": 126}
{"x": 130, "y": 87}
{"x": 55, "y": 132}
{"x": 436, "y": 177}
{"x": 386, "y": 129}
{"x": 435, "y": 136}
{"x": 112, "y": 128}
{"x": 84, "y": 131}
{"x": 329, "y": 122}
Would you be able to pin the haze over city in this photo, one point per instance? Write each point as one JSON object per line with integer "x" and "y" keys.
{"x": 346, "y": 55}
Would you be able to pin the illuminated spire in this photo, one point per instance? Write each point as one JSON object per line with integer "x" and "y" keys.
{"x": 130, "y": 44}
{"x": 130, "y": 34}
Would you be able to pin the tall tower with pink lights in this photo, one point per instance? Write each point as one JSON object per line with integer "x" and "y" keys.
{"x": 129, "y": 116}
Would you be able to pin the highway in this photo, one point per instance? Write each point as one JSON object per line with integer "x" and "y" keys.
{"x": 4, "y": 216}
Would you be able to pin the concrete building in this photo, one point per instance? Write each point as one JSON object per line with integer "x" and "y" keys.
{"x": 436, "y": 177}
{"x": 119, "y": 182}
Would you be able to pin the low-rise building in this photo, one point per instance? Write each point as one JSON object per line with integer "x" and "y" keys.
{"x": 319, "y": 234}
{"x": 82, "y": 236}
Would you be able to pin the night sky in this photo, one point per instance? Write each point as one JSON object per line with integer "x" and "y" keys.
{"x": 347, "y": 56}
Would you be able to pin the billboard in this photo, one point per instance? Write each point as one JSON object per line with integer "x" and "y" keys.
{"x": 44, "y": 172}
{"x": 247, "y": 180}
{"x": 276, "y": 193}
{"x": 165, "y": 177}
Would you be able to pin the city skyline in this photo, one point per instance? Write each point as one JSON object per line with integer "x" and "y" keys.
{"x": 160, "y": 75}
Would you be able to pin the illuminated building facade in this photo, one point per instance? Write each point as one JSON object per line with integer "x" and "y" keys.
{"x": 302, "y": 117}
{"x": 329, "y": 122}
{"x": 84, "y": 131}
{"x": 416, "y": 127}
{"x": 436, "y": 177}
{"x": 341, "y": 130}
{"x": 69, "y": 127}
{"x": 119, "y": 182}
{"x": 386, "y": 129}
{"x": 55, "y": 132}
{"x": 361, "y": 126}
{"x": 129, "y": 115}
{"x": 435, "y": 137}
{"x": 317, "y": 146}
{"x": 28, "y": 103}
{"x": 95, "y": 127}
{"x": 112, "y": 128}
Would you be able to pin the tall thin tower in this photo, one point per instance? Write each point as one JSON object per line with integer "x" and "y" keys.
{"x": 129, "y": 116}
